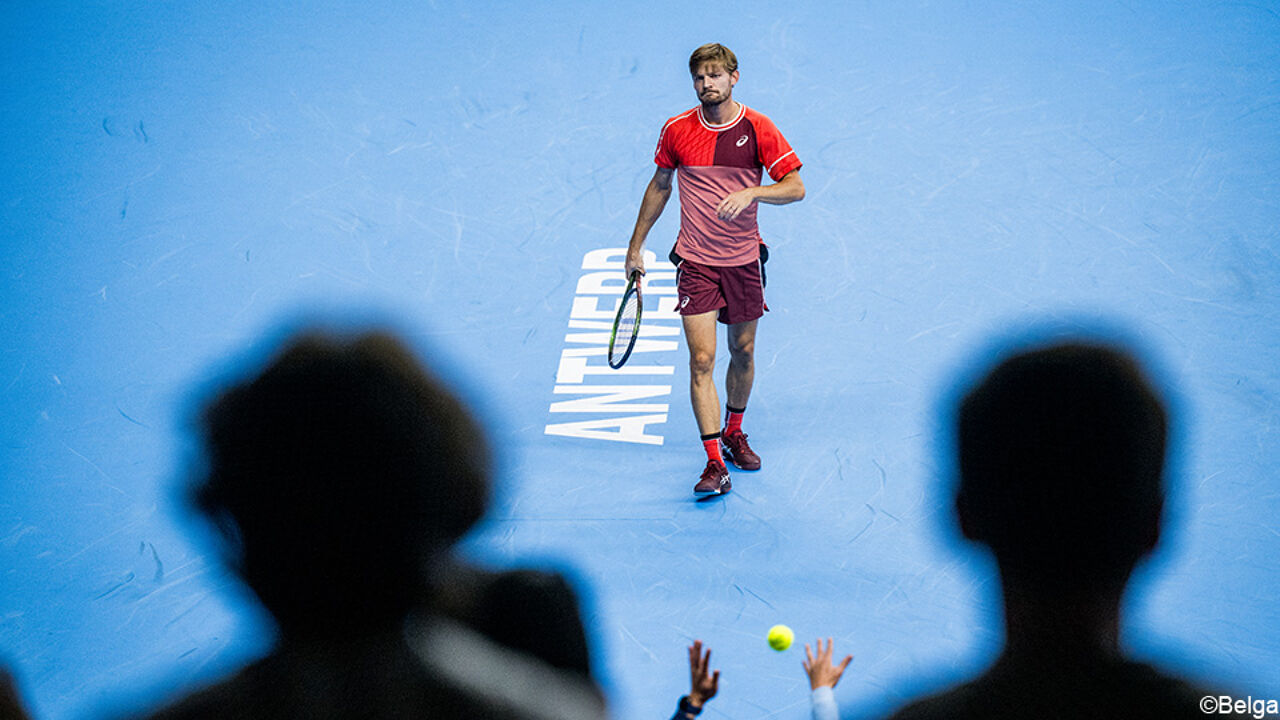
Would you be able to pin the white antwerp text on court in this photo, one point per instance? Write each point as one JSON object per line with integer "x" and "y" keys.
{"x": 595, "y": 401}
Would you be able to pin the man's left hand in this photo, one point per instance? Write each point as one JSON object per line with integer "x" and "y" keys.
{"x": 734, "y": 203}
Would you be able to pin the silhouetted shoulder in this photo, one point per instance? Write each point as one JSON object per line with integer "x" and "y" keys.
{"x": 435, "y": 669}
{"x": 370, "y": 679}
{"x": 532, "y": 611}
{"x": 1102, "y": 689}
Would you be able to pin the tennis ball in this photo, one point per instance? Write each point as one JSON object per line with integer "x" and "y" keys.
{"x": 780, "y": 637}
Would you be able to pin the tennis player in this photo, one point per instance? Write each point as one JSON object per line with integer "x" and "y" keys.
{"x": 722, "y": 149}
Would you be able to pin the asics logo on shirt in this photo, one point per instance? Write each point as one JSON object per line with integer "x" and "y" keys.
{"x": 742, "y": 140}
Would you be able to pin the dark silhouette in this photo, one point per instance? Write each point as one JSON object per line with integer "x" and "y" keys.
{"x": 533, "y": 611}
{"x": 340, "y": 476}
{"x": 11, "y": 706}
{"x": 1062, "y": 455}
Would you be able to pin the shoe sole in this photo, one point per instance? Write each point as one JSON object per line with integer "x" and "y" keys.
{"x": 724, "y": 488}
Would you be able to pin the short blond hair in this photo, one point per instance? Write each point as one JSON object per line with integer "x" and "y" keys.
{"x": 714, "y": 53}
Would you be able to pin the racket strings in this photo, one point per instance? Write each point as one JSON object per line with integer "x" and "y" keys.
{"x": 629, "y": 322}
{"x": 626, "y": 326}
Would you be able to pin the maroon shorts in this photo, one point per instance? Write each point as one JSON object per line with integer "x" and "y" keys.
{"x": 737, "y": 292}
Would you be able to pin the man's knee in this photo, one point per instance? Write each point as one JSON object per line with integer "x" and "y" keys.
{"x": 742, "y": 342}
{"x": 702, "y": 363}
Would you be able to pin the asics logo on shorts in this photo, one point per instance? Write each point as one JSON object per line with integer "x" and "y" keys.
{"x": 742, "y": 140}
{"x": 684, "y": 301}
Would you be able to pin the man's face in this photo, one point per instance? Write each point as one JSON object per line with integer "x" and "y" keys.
{"x": 712, "y": 84}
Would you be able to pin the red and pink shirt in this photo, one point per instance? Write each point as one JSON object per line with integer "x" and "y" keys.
{"x": 713, "y": 161}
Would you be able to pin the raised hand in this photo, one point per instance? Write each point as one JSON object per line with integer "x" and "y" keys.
{"x": 702, "y": 684}
{"x": 819, "y": 668}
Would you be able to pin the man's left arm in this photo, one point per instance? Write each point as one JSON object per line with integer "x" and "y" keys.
{"x": 788, "y": 189}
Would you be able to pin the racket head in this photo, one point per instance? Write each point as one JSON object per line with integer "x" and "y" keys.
{"x": 626, "y": 324}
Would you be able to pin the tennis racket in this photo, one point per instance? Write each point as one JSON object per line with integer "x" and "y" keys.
{"x": 626, "y": 324}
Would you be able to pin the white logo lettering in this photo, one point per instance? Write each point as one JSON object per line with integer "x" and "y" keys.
{"x": 742, "y": 140}
{"x": 619, "y": 411}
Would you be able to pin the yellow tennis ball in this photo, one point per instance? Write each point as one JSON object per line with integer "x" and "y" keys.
{"x": 780, "y": 637}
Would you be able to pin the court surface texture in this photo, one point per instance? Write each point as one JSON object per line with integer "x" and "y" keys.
{"x": 184, "y": 183}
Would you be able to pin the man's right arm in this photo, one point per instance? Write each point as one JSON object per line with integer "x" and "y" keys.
{"x": 655, "y": 199}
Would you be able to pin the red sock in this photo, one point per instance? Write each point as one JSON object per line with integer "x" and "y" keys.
{"x": 734, "y": 423}
{"x": 712, "y": 445}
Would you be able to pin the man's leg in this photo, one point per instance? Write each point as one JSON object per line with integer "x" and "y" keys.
{"x": 738, "y": 382}
{"x": 700, "y": 334}
{"x": 742, "y": 367}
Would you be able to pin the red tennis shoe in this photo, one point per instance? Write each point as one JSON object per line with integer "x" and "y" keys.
{"x": 714, "y": 480}
{"x": 734, "y": 447}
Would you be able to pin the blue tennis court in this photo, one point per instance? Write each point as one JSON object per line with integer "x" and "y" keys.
{"x": 185, "y": 182}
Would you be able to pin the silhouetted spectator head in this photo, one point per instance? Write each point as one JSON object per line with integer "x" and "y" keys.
{"x": 1061, "y": 463}
{"x": 339, "y": 473}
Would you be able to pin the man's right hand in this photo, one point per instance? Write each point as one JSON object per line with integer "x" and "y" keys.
{"x": 634, "y": 263}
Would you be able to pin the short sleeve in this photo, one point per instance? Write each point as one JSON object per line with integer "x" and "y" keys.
{"x": 665, "y": 155}
{"x": 776, "y": 154}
